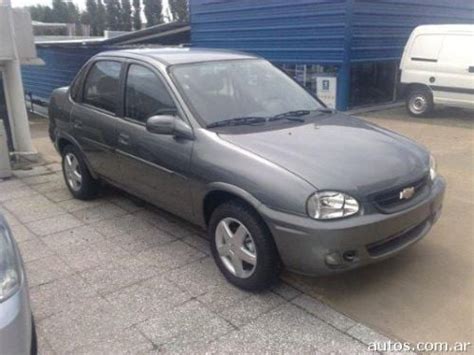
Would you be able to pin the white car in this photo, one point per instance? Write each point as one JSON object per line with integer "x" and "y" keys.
{"x": 438, "y": 68}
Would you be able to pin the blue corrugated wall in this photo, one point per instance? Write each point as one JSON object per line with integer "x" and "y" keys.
{"x": 61, "y": 66}
{"x": 339, "y": 32}
{"x": 298, "y": 31}
{"x": 380, "y": 28}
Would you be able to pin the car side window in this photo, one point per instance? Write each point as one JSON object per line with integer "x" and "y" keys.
{"x": 75, "y": 88}
{"x": 102, "y": 86}
{"x": 146, "y": 95}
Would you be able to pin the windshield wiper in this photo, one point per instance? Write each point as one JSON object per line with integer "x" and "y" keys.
{"x": 238, "y": 121}
{"x": 325, "y": 110}
{"x": 291, "y": 116}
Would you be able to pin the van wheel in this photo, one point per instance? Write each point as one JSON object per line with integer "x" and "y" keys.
{"x": 77, "y": 176}
{"x": 419, "y": 102}
{"x": 243, "y": 247}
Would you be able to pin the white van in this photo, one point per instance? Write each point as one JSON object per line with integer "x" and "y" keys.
{"x": 438, "y": 68}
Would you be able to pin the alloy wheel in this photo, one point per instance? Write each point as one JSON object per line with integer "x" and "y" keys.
{"x": 236, "y": 247}
{"x": 72, "y": 171}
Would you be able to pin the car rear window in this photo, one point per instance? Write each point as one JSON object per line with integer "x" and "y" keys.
{"x": 102, "y": 85}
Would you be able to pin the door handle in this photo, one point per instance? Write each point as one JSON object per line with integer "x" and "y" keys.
{"x": 470, "y": 69}
{"x": 124, "y": 139}
{"x": 77, "y": 124}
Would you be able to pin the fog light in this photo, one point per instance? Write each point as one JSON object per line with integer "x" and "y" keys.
{"x": 436, "y": 215}
{"x": 333, "y": 259}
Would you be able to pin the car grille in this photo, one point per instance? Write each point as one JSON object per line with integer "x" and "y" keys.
{"x": 389, "y": 201}
{"x": 397, "y": 241}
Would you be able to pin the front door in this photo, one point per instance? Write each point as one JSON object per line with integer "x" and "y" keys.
{"x": 94, "y": 117}
{"x": 155, "y": 167}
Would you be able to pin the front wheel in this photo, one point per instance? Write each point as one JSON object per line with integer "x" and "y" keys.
{"x": 242, "y": 247}
{"x": 77, "y": 176}
{"x": 419, "y": 102}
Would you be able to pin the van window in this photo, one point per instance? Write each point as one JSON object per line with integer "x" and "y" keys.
{"x": 426, "y": 48}
{"x": 102, "y": 85}
{"x": 458, "y": 49}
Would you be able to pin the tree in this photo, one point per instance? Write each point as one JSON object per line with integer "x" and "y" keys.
{"x": 86, "y": 19}
{"x": 101, "y": 18}
{"x": 41, "y": 13}
{"x": 137, "y": 19}
{"x": 178, "y": 10}
{"x": 67, "y": 12}
{"x": 153, "y": 10}
{"x": 60, "y": 11}
{"x": 73, "y": 14}
{"x": 113, "y": 15}
{"x": 126, "y": 15}
{"x": 92, "y": 13}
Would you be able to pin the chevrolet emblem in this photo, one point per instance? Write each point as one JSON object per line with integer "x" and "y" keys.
{"x": 407, "y": 193}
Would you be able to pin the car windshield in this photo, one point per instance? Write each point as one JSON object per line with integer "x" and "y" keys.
{"x": 227, "y": 90}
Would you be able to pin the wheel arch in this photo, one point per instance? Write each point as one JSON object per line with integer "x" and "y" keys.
{"x": 417, "y": 86}
{"x": 219, "y": 193}
{"x": 63, "y": 140}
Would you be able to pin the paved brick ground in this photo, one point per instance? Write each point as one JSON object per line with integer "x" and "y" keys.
{"x": 114, "y": 276}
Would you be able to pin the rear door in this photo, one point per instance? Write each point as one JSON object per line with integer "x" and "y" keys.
{"x": 454, "y": 84}
{"x": 153, "y": 166}
{"x": 94, "y": 117}
{"x": 420, "y": 62}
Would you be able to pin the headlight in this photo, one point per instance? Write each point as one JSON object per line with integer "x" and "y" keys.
{"x": 9, "y": 265}
{"x": 331, "y": 204}
{"x": 432, "y": 167}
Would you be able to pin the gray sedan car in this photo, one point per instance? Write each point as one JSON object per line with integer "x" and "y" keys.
{"x": 17, "y": 331}
{"x": 231, "y": 143}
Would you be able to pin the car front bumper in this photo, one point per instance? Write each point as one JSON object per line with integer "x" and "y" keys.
{"x": 16, "y": 325}
{"x": 312, "y": 247}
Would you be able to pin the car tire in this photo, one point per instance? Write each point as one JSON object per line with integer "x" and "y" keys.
{"x": 239, "y": 237}
{"x": 419, "y": 102}
{"x": 78, "y": 179}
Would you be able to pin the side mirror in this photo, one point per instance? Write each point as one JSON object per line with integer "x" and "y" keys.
{"x": 169, "y": 125}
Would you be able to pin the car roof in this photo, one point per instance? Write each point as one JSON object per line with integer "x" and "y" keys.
{"x": 444, "y": 29}
{"x": 173, "y": 56}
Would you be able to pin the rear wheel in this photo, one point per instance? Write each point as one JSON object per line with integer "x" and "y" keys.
{"x": 77, "y": 176}
{"x": 419, "y": 102}
{"x": 242, "y": 247}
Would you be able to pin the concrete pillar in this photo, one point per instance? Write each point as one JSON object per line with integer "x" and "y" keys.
{"x": 5, "y": 169}
{"x": 16, "y": 107}
{"x": 14, "y": 95}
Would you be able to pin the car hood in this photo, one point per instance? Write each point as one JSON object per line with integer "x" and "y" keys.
{"x": 338, "y": 152}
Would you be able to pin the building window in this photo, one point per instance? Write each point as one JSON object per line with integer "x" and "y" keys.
{"x": 307, "y": 74}
{"x": 312, "y": 77}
